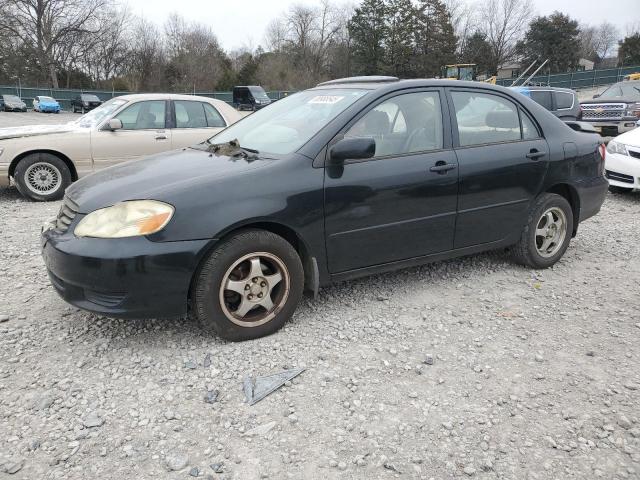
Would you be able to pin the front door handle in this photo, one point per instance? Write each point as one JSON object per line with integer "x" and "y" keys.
{"x": 535, "y": 154}
{"x": 161, "y": 137}
{"x": 442, "y": 167}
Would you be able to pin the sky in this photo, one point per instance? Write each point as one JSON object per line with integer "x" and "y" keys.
{"x": 242, "y": 23}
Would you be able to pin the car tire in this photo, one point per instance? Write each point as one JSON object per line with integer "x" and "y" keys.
{"x": 620, "y": 190}
{"x": 42, "y": 177}
{"x": 547, "y": 233}
{"x": 266, "y": 278}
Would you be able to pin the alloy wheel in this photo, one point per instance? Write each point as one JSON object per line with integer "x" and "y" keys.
{"x": 43, "y": 178}
{"x": 254, "y": 289}
{"x": 551, "y": 231}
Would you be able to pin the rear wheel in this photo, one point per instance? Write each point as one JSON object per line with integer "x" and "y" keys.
{"x": 42, "y": 177}
{"x": 547, "y": 233}
{"x": 249, "y": 286}
{"x": 622, "y": 190}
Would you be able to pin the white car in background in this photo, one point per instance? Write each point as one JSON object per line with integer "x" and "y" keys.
{"x": 623, "y": 162}
{"x": 43, "y": 160}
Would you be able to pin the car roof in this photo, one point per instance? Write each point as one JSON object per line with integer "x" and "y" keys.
{"x": 393, "y": 83}
{"x": 166, "y": 96}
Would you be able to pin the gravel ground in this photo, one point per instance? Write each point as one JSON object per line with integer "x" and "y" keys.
{"x": 467, "y": 368}
{"x": 13, "y": 119}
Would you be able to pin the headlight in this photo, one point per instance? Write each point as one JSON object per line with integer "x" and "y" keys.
{"x": 617, "y": 147}
{"x": 633, "y": 110}
{"x": 126, "y": 219}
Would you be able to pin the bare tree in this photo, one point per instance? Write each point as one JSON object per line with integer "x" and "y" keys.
{"x": 505, "y": 22}
{"x": 50, "y": 26}
{"x": 464, "y": 19}
{"x": 606, "y": 37}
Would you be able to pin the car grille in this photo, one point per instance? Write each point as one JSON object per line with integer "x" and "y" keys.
{"x": 603, "y": 111}
{"x": 67, "y": 213}
{"x": 619, "y": 177}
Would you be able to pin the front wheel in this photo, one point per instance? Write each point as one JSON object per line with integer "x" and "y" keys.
{"x": 547, "y": 233}
{"x": 42, "y": 177}
{"x": 249, "y": 286}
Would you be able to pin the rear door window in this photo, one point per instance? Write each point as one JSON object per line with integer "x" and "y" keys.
{"x": 564, "y": 100}
{"x": 484, "y": 118}
{"x": 189, "y": 114}
{"x": 543, "y": 97}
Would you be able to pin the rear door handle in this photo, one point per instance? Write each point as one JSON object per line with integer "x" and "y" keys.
{"x": 442, "y": 167}
{"x": 535, "y": 154}
{"x": 161, "y": 137}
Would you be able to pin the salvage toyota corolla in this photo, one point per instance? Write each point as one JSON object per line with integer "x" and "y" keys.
{"x": 350, "y": 178}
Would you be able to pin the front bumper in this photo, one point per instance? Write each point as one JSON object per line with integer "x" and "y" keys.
{"x": 622, "y": 170}
{"x": 127, "y": 278}
{"x": 611, "y": 128}
{"x": 4, "y": 175}
{"x": 48, "y": 109}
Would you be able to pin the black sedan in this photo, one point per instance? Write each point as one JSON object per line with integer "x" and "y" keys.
{"x": 353, "y": 177}
{"x": 85, "y": 102}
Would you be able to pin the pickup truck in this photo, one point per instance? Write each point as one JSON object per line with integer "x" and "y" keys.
{"x": 614, "y": 111}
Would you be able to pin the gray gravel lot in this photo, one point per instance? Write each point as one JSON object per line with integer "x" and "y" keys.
{"x": 12, "y": 119}
{"x": 466, "y": 368}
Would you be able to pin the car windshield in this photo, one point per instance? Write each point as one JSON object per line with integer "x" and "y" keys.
{"x": 46, "y": 99}
{"x": 288, "y": 124}
{"x": 97, "y": 115}
{"x": 11, "y": 98}
{"x": 90, "y": 98}
{"x": 630, "y": 90}
{"x": 258, "y": 92}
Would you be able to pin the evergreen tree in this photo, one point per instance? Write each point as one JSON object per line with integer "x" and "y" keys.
{"x": 399, "y": 48}
{"x": 478, "y": 50}
{"x": 629, "y": 51}
{"x": 368, "y": 31}
{"x": 435, "y": 40}
{"x": 556, "y": 38}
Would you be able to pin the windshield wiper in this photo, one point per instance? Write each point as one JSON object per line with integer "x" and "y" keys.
{"x": 232, "y": 149}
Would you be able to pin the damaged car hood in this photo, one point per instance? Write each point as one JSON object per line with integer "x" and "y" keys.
{"x": 158, "y": 177}
{"x": 36, "y": 130}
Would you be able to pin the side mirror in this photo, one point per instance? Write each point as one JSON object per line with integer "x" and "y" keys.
{"x": 597, "y": 95}
{"x": 115, "y": 124}
{"x": 352, "y": 149}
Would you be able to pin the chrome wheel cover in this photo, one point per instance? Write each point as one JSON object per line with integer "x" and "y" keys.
{"x": 254, "y": 289}
{"x": 551, "y": 231}
{"x": 43, "y": 178}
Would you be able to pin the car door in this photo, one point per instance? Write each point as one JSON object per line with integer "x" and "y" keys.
{"x": 143, "y": 133}
{"x": 401, "y": 203}
{"x": 194, "y": 122}
{"x": 502, "y": 160}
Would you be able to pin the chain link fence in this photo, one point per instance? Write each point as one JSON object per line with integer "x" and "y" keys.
{"x": 577, "y": 80}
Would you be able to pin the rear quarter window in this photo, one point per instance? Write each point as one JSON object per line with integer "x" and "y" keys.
{"x": 564, "y": 100}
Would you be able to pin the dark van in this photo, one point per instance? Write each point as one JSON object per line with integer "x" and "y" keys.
{"x": 252, "y": 97}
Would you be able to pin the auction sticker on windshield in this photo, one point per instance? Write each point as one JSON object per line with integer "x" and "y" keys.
{"x": 326, "y": 99}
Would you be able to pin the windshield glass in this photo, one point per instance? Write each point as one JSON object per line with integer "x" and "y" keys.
{"x": 289, "y": 123}
{"x": 46, "y": 99}
{"x": 11, "y": 98}
{"x": 630, "y": 90}
{"x": 90, "y": 98}
{"x": 258, "y": 92}
{"x": 97, "y": 115}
